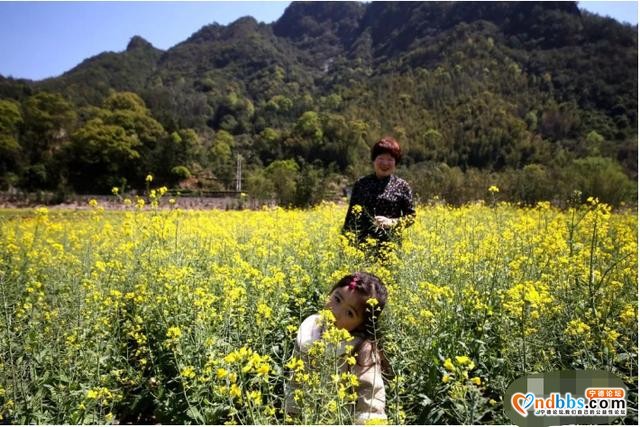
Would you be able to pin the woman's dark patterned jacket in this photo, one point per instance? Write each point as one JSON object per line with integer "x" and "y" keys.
{"x": 390, "y": 196}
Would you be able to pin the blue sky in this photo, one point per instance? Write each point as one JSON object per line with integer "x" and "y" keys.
{"x": 45, "y": 39}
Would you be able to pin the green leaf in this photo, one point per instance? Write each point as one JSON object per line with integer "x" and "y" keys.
{"x": 195, "y": 415}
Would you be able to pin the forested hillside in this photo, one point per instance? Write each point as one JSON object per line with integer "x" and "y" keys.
{"x": 538, "y": 98}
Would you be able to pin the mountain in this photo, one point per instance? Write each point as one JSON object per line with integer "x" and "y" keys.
{"x": 494, "y": 87}
{"x": 90, "y": 81}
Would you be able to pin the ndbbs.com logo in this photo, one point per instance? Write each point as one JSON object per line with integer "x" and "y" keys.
{"x": 596, "y": 402}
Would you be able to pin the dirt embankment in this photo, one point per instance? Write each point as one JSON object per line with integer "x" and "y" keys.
{"x": 115, "y": 203}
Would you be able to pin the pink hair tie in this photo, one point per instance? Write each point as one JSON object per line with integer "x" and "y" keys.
{"x": 354, "y": 283}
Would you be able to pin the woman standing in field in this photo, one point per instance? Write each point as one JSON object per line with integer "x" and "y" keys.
{"x": 381, "y": 203}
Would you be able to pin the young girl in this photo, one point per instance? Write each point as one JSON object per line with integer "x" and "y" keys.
{"x": 356, "y": 302}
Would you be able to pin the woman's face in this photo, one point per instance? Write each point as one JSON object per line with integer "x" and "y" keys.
{"x": 384, "y": 165}
{"x": 347, "y": 307}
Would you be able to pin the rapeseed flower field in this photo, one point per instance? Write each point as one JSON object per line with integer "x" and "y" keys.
{"x": 151, "y": 315}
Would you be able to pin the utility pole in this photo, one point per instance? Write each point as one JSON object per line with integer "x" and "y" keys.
{"x": 239, "y": 173}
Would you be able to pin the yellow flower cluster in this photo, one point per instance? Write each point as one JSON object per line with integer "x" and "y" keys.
{"x": 251, "y": 361}
{"x": 579, "y": 329}
{"x": 102, "y": 395}
{"x": 529, "y": 300}
{"x": 456, "y": 378}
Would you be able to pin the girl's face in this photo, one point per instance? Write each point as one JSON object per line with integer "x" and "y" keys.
{"x": 384, "y": 165}
{"x": 348, "y": 308}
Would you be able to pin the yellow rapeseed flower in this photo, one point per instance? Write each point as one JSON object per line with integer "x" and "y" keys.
{"x": 263, "y": 311}
{"x": 235, "y": 391}
{"x": 463, "y": 360}
{"x": 577, "y": 327}
{"x": 350, "y": 379}
{"x": 221, "y": 373}
{"x": 375, "y": 421}
{"x": 263, "y": 369}
{"x": 254, "y": 396}
{"x": 188, "y": 372}
{"x": 448, "y": 365}
{"x": 295, "y": 364}
{"x": 628, "y": 314}
{"x": 174, "y": 332}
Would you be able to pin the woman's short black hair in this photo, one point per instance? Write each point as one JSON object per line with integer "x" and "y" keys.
{"x": 386, "y": 145}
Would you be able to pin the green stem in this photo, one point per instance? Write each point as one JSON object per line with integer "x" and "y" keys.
{"x": 184, "y": 392}
{"x": 9, "y": 341}
{"x": 592, "y": 296}
{"x": 523, "y": 337}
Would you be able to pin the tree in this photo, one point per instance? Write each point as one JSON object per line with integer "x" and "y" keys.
{"x": 279, "y": 104}
{"x": 101, "y": 155}
{"x": 258, "y": 185}
{"x": 310, "y": 185}
{"x": 48, "y": 119}
{"x": 602, "y": 178}
{"x": 128, "y": 111}
{"x": 234, "y": 114}
{"x": 220, "y": 157}
{"x": 283, "y": 175}
{"x": 268, "y": 145}
{"x": 10, "y": 148}
{"x": 309, "y": 126}
{"x": 127, "y": 101}
{"x": 533, "y": 184}
{"x": 594, "y": 143}
{"x": 177, "y": 156}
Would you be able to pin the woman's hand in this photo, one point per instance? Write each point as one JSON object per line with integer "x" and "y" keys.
{"x": 384, "y": 222}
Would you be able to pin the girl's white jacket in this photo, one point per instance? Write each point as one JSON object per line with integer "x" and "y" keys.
{"x": 371, "y": 394}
